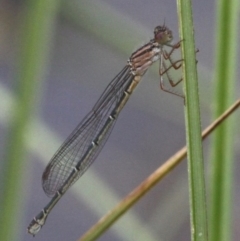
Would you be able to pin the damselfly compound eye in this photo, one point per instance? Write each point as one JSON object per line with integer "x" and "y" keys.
{"x": 162, "y": 35}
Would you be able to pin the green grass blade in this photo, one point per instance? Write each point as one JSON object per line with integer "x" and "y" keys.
{"x": 193, "y": 125}
{"x": 36, "y": 30}
{"x": 222, "y": 146}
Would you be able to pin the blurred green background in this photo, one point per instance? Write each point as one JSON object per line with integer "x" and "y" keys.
{"x": 56, "y": 58}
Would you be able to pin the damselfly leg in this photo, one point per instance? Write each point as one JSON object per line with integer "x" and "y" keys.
{"x": 164, "y": 68}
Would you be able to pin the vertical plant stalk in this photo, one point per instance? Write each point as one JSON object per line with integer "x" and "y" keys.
{"x": 198, "y": 211}
{"x": 221, "y": 162}
{"x": 34, "y": 42}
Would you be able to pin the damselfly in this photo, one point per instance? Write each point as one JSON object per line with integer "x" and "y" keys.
{"x": 84, "y": 144}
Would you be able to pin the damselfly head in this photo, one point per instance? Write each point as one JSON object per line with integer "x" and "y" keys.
{"x": 162, "y": 35}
